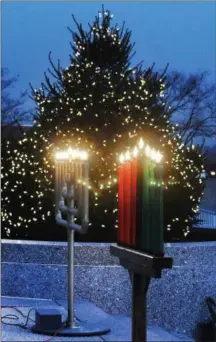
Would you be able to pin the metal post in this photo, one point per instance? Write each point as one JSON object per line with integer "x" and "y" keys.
{"x": 70, "y": 320}
{"x": 70, "y": 234}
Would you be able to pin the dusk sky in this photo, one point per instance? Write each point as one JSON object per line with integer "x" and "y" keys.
{"x": 180, "y": 33}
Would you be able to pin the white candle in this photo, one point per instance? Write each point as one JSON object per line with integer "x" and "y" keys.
{"x": 70, "y": 167}
{"x": 80, "y": 189}
{"x": 85, "y": 191}
{"x": 57, "y": 187}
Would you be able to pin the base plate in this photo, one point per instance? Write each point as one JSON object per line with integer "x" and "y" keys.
{"x": 83, "y": 329}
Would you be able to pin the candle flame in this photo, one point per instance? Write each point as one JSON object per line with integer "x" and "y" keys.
{"x": 135, "y": 152}
{"x": 62, "y": 155}
{"x": 153, "y": 154}
{"x": 158, "y": 157}
{"x": 74, "y": 153}
{"x": 127, "y": 155}
{"x": 121, "y": 158}
{"x": 141, "y": 143}
{"x": 83, "y": 155}
{"x": 71, "y": 154}
{"x": 148, "y": 151}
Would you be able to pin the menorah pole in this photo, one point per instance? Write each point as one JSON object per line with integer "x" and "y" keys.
{"x": 70, "y": 320}
{"x": 70, "y": 235}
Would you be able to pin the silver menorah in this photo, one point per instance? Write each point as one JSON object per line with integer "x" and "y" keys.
{"x": 71, "y": 203}
{"x": 71, "y": 199}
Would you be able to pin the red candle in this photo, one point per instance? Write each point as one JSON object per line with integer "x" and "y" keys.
{"x": 121, "y": 203}
{"x": 133, "y": 201}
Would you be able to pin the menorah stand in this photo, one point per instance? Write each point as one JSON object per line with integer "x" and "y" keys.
{"x": 71, "y": 327}
{"x": 142, "y": 267}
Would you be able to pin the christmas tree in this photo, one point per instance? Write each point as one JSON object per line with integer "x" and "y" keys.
{"x": 103, "y": 105}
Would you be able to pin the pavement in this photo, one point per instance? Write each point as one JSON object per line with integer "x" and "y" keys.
{"x": 85, "y": 311}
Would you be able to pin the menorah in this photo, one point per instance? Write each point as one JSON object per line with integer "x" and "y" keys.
{"x": 72, "y": 204}
{"x": 71, "y": 187}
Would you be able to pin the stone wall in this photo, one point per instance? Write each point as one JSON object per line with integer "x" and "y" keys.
{"x": 175, "y": 302}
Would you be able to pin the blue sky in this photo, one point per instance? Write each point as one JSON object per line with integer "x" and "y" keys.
{"x": 180, "y": 33}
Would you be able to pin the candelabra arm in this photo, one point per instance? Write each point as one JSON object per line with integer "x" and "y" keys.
{"x": 64, "y": 209}
{"x": 84, "y": 226}
{"x": 66, "y": 193}
{"x": 66, "y": 224}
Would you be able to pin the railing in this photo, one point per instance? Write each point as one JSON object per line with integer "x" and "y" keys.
{"x": 208, "y": 219}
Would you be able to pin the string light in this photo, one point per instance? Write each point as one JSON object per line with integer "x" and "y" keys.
{"x": 66, "y": 117}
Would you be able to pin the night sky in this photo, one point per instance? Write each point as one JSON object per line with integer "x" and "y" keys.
{"x": 180, "y": 33}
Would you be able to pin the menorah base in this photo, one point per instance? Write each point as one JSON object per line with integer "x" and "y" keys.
{"x": 81, "y": 329}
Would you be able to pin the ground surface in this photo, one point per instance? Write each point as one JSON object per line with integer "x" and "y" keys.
{"x": 84, "y": 311}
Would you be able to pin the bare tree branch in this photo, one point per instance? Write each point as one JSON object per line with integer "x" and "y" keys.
{"x": 191, "y": 101}
{"x": 12, "y": 112}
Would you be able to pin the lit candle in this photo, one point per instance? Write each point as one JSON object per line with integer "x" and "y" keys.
{"x": 85, "y": 192}
{"x": 127, "y": 197}
{"x": 57, "y": 187}
{"x": 139, "y": 203}
{"x": 134, "y": 171}
{"x": 153, "y": 210}
{"x": 121, "y": 200}
{"x": 156, "y": 205}
{"x": 159, "y": 233}
{"x": 80, "y": 189}
{"x": 145, "y": 229}
{"x": 139, "y": 195}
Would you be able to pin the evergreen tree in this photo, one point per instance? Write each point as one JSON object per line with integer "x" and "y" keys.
{"x": 101, "y": 104}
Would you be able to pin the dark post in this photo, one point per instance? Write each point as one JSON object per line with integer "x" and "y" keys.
{"x": 142, "y": 267}
{"x": 140, "y": 285}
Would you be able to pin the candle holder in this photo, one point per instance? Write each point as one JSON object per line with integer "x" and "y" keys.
{"x": 141, "y": 251}
{"x": 72, "y": 200}
{"x": 140, "y": 200}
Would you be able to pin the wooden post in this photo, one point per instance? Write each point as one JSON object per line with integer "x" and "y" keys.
{"x": 140, "y": 285}
{"x": 142, "y": 267}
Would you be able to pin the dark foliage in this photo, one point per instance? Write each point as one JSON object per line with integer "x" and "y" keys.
{"x": 100, "y": 104}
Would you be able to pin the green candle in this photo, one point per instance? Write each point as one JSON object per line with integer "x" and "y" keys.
{"x": 161, "y": 214}
{"x": 139, "y": 204}
{"x": 145, "y": 229}
{"x": 157, "y": 237}
{"x": 153, "y": 208}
